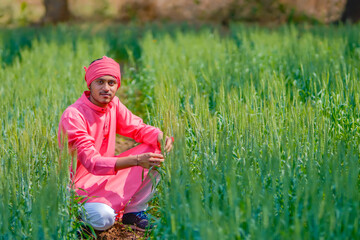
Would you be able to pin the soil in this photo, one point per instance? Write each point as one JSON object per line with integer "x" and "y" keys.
{"x": 123, "y": 144}
{"x": 119, "y": 231}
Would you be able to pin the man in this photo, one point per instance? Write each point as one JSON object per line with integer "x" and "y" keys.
{"x": 110, "y": 183}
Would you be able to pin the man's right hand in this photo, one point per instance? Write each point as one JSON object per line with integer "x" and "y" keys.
{"x": 148, "y": 160}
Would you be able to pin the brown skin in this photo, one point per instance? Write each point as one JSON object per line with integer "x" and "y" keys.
{"x": 168, "y": 142}
{"x": 102, "y": 91}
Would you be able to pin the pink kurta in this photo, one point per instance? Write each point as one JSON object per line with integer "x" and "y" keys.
{"x": 91, "y": 131}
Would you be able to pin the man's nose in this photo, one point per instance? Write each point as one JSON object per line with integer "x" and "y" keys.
{"x": 106, "y": 87}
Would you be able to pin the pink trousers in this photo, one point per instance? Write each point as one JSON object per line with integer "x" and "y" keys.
{"x": 131, "y": 190}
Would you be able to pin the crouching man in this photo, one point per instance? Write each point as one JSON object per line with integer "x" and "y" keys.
{"x": 110, "y": 183}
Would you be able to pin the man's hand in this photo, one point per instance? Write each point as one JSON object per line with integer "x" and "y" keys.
{"x": 148, "y": 160}
{"x": 168, "y": 142}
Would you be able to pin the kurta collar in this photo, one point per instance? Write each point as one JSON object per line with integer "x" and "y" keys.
{"x": 85, "y": 99}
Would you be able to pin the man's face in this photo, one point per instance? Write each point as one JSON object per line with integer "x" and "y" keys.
{"x": 102, "y": 90}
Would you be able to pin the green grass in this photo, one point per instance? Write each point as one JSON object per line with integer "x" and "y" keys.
{"x": 267, "y": 128}
{"x": 266, "y": 123}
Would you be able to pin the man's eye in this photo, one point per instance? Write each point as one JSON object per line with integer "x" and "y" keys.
{"x": 100, "y": 81}
{"x": 112, "y": 83}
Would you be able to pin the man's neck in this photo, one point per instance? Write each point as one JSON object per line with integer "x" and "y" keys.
{"x": 102, "y": 105}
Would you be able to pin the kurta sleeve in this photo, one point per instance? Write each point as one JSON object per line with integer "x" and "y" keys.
{"x": 132, "y": 126}
{"x": 80, "y": 141}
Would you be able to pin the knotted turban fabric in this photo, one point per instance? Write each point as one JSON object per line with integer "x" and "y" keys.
{"x": 102, "y": 67}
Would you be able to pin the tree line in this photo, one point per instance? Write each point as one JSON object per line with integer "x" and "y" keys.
{"x": 58, "y": 11}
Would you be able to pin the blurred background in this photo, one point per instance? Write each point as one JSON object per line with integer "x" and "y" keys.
{"x": 266, "y": 12}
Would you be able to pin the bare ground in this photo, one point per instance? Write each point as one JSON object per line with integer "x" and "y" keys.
{"x": 119, "y": 231}
{"x": 123, "y": 144}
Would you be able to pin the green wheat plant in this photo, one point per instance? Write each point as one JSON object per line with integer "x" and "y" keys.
{"x": 266, "y": 125}
{"x": 267, "y": 129}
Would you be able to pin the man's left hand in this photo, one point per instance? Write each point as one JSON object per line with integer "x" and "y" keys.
{"x": 168, "y": 142}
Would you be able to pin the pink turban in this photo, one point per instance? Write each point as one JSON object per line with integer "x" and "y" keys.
{"x": 102, "y": 67}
